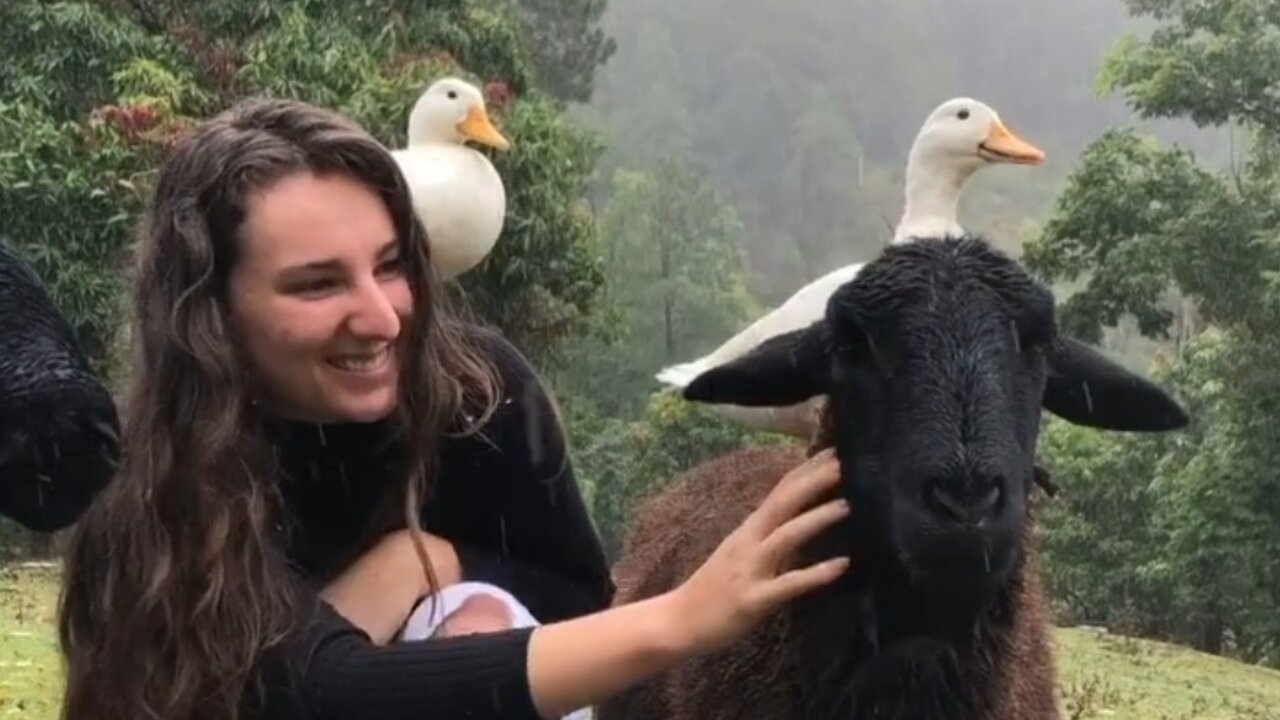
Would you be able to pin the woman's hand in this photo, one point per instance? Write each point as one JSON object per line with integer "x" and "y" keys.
{"x": 748, "y": 577}
{"x": 379, "y": 590}
{"x": 580, "y": 662}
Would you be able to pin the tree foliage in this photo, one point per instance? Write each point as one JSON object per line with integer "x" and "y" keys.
{"x": 1207, "y": 61}
{"x": 93, "y": 93}
{"x": 566, "y": 44}
{"x": 675, "y": 282}
{"x": 1151, "y": 231}
{"x": 627, "y": 460}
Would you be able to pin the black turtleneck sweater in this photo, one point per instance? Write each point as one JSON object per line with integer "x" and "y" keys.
{"x": 505, "y": 498}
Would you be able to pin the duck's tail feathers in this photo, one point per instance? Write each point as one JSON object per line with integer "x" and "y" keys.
{"x": 681, "y": 375}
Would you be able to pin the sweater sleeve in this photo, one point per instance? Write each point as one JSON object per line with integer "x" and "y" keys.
{"x": 550, "y": 555}
{"x": 330, "y": 669}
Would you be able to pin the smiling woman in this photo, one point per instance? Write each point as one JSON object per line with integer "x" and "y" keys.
{"x": 299, "y": 382}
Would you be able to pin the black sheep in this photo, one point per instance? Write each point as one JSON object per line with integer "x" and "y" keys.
{"x": 59, "y": 427}
{"x": 937, "y": 360}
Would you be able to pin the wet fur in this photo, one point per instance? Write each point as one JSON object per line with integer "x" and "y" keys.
{"x": 59, "y": 429}
{"x": 815, "y": 659}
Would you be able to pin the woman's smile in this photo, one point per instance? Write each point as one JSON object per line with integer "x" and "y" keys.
{"x": 372, "y": 363}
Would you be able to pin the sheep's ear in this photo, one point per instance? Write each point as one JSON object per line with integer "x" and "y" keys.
{"x": 1086, "y": 388}
{"x": 783, "y": 370}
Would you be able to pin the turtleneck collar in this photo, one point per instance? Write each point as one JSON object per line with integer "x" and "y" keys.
{"x": 300, "y": 444}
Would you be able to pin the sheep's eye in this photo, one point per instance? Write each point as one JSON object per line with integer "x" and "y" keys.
{"x": 963, "y": 114}
{"x": 453, "y": 94}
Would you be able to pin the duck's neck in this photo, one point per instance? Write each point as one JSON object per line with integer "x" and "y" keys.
{"x": 932, "y": 199}
{"x": 420, "y": 136}
{"x": 423, "y": 130}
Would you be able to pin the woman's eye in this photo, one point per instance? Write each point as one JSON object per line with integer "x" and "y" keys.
{"x": 313, "y": 286}
{"x": 393, "y": 266}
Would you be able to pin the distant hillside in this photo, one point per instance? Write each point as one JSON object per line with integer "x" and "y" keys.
{"x": 801, "y": 114}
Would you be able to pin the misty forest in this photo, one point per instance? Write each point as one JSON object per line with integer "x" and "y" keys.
{"x": 678, "y": 169}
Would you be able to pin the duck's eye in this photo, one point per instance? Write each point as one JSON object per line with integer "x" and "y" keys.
{"x": 963, "y": 114}
{"x": 453, "y": 94}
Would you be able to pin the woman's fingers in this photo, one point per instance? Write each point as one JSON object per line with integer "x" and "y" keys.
{"x": 744, "y": 571}
{"x": 793, "y": 584}
{"x": 795, "y": 532}
{"x": 797, "y": 489}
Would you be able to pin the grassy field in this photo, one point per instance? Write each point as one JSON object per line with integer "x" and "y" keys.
{"x": 30, "y": 673}
{"x": 1109, "y": 676}
{"x": 1102, "y": 676}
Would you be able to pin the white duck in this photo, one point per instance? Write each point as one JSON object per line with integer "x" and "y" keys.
{"x": 456, "y": 191}
{"x": 960, "y": 137}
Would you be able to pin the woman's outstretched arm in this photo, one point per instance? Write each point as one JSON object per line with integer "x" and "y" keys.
{"x": 548, "y": 671}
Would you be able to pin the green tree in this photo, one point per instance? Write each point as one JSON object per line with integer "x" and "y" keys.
{"x": 92, "y": 92}
{"x": 643, "y": 133}
{"x": 819, "y": 199}
{"x": 1212, "y": 62}
{"x": 1099, "y": 529}
{"x": 566, "y": 43}
{"x": 1149, "y": 232}
{"x": 675, "y": 284}
{"x": 627, "y": 460}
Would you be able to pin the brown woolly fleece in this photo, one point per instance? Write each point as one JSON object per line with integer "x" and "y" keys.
{"x": 811, "y": 661}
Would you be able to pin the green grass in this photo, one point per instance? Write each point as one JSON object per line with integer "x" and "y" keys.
{"x": 1101, "y": 676}
{"x": 1119, "y": 678}
{"x": 30, "y": 669}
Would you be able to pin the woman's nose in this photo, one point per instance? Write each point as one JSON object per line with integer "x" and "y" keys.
{"x": 374, "y": 316}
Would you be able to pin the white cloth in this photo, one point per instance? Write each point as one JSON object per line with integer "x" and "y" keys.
{"x": 423, "y": 622}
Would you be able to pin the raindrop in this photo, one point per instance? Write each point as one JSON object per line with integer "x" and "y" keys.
{"x": 107, "y": 429}
{"x": 502, "y": 527}
{"x": 342, "y": 474}
{"x": 1088, "y": 399}
{"x": 57, "y": 451}
{"x": 315, "y": 471}
{"x": 534, "y": 428}
{"x": 323, "y": 440}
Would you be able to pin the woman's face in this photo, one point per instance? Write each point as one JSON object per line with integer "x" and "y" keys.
{"x": 318, "y": 297}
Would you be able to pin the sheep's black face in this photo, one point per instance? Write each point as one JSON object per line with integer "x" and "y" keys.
{"x": 937, "y": 359}
{"x": 937, "y": 368}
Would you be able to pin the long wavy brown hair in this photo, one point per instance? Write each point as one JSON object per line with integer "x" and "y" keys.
{"x": 175, "y": 582}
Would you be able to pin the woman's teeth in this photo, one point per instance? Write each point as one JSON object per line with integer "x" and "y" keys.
{"x": 360, "y": 363}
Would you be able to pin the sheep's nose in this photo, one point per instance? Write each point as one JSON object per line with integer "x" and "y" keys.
{"x": 968, "y": 503}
